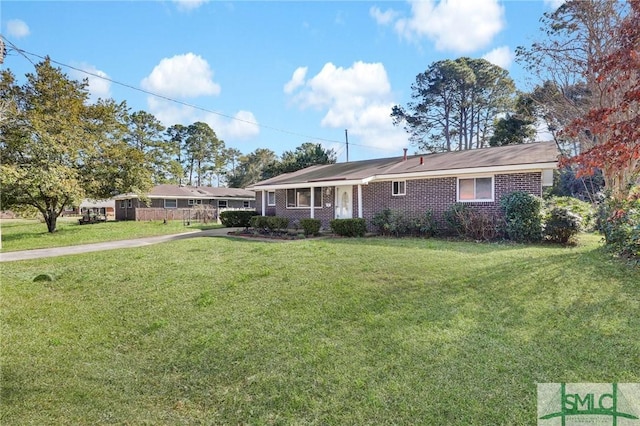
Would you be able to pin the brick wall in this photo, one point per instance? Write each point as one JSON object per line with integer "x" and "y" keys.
{"x": 436, "y": 194}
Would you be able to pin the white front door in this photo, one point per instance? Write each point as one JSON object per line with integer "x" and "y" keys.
{"x": 344, "y": 202}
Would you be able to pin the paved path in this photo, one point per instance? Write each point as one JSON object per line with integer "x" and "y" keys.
{"x": 109, "y": 245}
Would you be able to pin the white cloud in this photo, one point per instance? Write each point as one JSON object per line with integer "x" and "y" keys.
{"x": 17, "y": 28}
{"x": 357, "y": 98}
{"x": 189, "y": 5}
{"x": 182, "y": 76}
{"x": 383, "y": 18}
{"x": 98, "y": 87}
{"x": 553, "y": 4}
{"x": 500, "y": 56}
{"x": 242, "y": 126}
{"x": 453, "y": 25}
{"x": 297, "y": 80}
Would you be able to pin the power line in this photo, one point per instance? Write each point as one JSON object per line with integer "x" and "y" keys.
{"x": 24, "y": 53}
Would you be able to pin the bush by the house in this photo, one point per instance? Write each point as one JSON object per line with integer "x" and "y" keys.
{"x": 310, "y": 226}
{"x": 576, "y": 206}
{"x": 349, "y": 227}
{"x": 397, "y": 223}
{"x": 562, "y": 225}
{"x": 269, "y": 223}
{"x": 522, "y": 213}
{"x": 465, "y": 222}
{"x": 621, "y": 228}
{"x": 277, "y": 223}
{"x": 236, "y": 218}
{"x": 259, "y": 223}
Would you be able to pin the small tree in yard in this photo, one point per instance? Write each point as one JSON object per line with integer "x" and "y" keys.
{"x": 55, "y": 149}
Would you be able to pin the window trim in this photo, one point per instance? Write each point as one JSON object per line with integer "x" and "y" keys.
{"x": 246, "y": 204}
{"x": 226, "y": 204}
{"x": 404, "y": 187}
{"x": 475, "y": 189}
{"x": 274, "y": 198}
{"x": 317, "y": 200}
{"x": 171, "y": 199}
{"x": 123, "y": 204}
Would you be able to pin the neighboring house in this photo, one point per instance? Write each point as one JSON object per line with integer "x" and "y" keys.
{"x": 169, "y": 199}
{"x": 412, "y": 184}
{"x": 106, "y": 208}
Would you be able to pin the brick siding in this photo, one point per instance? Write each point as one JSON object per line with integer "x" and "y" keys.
{"x": 436, "y": 194}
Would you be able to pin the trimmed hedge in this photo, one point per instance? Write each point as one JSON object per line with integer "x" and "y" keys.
{"x": 399, "y": 223}
{"x": 310, "y": 226}
{"x": 269, "y": 223}
{"x": 349, "y": 227}
{"x": 236, "y": 218}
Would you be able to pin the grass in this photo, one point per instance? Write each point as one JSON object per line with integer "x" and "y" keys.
{"x": 32, "y": 234}
{"x": 332, "y": 331}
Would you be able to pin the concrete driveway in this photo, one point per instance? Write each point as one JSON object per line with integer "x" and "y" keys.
{"x": 109, "y": 245}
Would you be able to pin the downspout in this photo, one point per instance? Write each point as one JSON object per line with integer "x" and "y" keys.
{"x": 360, "y": 201}
{"x": 313, "y": 202}
{"x": 264, "y": 202}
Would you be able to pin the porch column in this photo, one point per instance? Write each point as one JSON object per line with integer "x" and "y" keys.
{"x": 264, "y": 203}
{"x": 360, "y": 201}
{"x": 313, "y": 202}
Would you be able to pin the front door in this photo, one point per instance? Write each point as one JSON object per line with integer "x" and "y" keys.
{"x": 344, "y": 202}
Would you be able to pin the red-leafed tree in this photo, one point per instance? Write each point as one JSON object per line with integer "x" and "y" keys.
{"x": 613, "y": 126}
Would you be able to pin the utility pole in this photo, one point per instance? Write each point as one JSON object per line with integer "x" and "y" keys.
{"x": 346, "y": 137}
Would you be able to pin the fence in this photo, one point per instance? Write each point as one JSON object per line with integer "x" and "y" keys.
{"x": 197, "y": 214}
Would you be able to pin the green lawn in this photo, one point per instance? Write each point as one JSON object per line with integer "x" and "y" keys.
{"x": 32, "y": 234}
{"x": 330, "y": 331}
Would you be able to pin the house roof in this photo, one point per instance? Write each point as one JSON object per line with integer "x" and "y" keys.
{"x": 195, "y": 192}
{"x": 533, "y": 156}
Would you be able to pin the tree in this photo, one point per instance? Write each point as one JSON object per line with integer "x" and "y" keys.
{"x": 251, "y": 167}
{"x": 176, "y": 143}
{"x": 614, "y": 125}
{"x": 307, "y": 154}
{"x": 455, "y": 103}
{"x": 203, "y": 150}
{"x": 515, "y": 127}
{"x": 145, "y": 133}
{"x": 57, "y": 149}
{"x": 579, "y": 36}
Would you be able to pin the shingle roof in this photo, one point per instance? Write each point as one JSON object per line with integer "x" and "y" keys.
{"x": 194, "y": 192}
{"x": 527, "y": 155}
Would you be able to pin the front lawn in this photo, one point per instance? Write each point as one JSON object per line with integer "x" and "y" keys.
{"x": 331, "y": 331}
{"x": 32, "y": 234}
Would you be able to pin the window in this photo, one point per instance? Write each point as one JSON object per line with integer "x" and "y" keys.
{"x": 271, "y": 198}
{"x": 301, "y": 197}
{"x": 123, "y": 204}
{"x": 475, "y": 189}
{"x": 222, "y": 204}
{"x": 194, "y": 202}
{"x": 245, "y": 204}
{"x": 130, "y": 203}
{"x": 398, "y": 187}
{"x": 170, "y": 204}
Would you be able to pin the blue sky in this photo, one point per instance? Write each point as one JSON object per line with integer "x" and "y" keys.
{"x": 303, "y": 71}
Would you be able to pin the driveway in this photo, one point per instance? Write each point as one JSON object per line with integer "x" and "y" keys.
{"x": 109, "y": 245}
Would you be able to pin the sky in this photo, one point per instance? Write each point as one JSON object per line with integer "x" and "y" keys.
{"x": 269, "y": 74}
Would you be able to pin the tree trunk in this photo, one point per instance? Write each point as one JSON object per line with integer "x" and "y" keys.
{"x": 51, "y": 221}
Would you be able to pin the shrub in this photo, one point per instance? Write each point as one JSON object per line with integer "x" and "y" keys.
{"x": 235, "y": 218}
{"x": 621, "y": 228}
{"x": 310, "y": 226}
{"x": 522, "y": 216}
{"x": 349, "y": 227}
{"x": 395, "y": 222}
{"x": 462, "y": 220}
{"x": 562, "y": 225}
{"x": 259, "y": 223}
{"x": 277, "y": 223}
{"x": 576, "y": 206}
